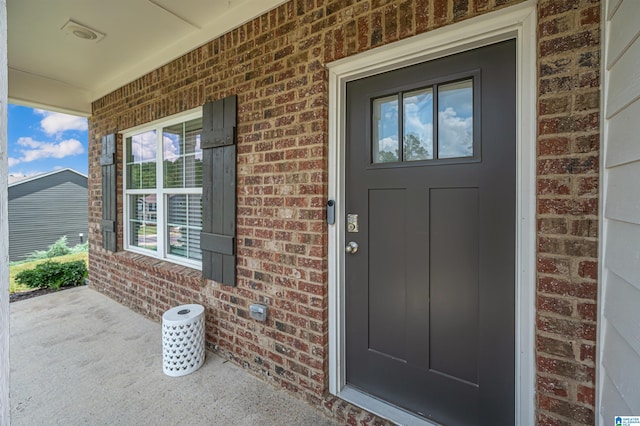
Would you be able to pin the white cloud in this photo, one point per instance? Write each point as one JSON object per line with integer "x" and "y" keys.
{"x": 13, "y": 161}
{"x": 36, "y": 150}
{"x": 171, "y": 150}
{"x": 171, "y": 147}
{"x": 15, "y": 177}
{"x": 55, "y": 123}
{"x": 143, "y": 147}
{"x": 389, "y": 144}
{"x": 455, "y": 135}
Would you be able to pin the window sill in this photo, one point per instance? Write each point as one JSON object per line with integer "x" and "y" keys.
{"x": 143, "y": 262}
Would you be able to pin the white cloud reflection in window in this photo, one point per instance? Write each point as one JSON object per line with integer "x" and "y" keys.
{"x": 455, "y": 120}
{"x": 385, "y": 129}
{"x": 418, "y": 125}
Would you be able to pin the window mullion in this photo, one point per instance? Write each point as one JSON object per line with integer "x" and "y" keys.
{"x": 125, "y": 199}
{"x": 436, "y": 123}
{"x": 183, "y": 152}
{"x": 401, "y": 127}
{"x": 161, "y": 211}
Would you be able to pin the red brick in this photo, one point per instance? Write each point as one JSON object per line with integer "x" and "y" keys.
{"x": 569, "y": 42}
{"x": 440, "y": 12}
{"x": 588, "y": 311}
{"x": 576, "y": 165}
{"x": 422, "y": 15}
{"x": 573, "y": 123}
{"x": 363, "y": 32}
{"x": 460, "y": 8}
{"x": 555, "y": 7}
{"x": 557, "y": 85}
{"x": 588, "y": 186}
{"x": 553, "y": 386}
{"x": 550, "y": 67}
{"x": 590, "y": 16}
{"x": 589, "y": 79}
{"x": 406, "y": 17}
{"x": 584, "y": 227}
{"x": 554, "y": 26}
{"x": 545, "y": 420}
{"x": 559, "y": 186}
{"x": 555, "y": 305}
{"x": 554, "y": 285}
{"x": 588, "y": 353}
{"x": 568, "y": 369}
{"x": 481, "y": 5}
{"x": 588, "y": 269}
{"x": 552, "y": 226}
{"x": 586, "y": 395}
{"x": 553, "y": 265}
{"x": 560, "y": 348}
{"x": 587, "y": 101}
{"x": 553, "y": 146}
{"x": 391, "y": 23}
{"x": 588, "y": 206}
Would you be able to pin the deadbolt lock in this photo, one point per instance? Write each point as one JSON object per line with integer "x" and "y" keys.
{"x": 352, "y": 223}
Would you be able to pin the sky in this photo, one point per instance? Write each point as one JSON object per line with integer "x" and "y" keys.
{"x": 43, "y": 141}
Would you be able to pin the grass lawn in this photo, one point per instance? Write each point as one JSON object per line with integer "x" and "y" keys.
{"x": 16, "y": 269}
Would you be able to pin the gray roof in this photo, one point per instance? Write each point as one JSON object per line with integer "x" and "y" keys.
{"x": 46, "y": 180}
{"x": 44, "y": 175}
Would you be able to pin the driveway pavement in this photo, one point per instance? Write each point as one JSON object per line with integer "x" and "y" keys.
{"x": 79, "y": 358}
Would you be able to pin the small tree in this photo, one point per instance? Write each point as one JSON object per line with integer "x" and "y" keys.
{"x": 59, "y": 248}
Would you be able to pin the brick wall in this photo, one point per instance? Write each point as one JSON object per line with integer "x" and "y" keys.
{"x": 276, "y": 66}
{"x": 568, "y": 163}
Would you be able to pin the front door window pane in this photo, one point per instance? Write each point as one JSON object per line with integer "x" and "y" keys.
{"x": 418, "y": 125}
{"x": 455, "y": 120}
{"x": 385, "y": 130}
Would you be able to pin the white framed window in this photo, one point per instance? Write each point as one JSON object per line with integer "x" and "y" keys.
{"x": 163, "y": 189}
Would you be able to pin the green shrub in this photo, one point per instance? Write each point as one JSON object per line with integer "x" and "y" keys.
{"x": 37, "y": 255}
{"x": 53, "y": 275}
{"x": 59, "y": 248}
{"x": 80, "y": 248}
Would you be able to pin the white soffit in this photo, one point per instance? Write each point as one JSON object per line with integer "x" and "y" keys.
{"x": 51, "y": 68}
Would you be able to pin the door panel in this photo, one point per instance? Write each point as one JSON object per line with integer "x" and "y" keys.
{"x": 386, "y": 264}
{"x": 430, "y": 295}
{"x": 454, "y": 282}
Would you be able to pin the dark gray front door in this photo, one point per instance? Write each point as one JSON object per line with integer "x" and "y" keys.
{"x": 430, "y": 291}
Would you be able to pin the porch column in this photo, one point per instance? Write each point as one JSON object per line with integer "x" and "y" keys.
{"x": 4, "y": 224}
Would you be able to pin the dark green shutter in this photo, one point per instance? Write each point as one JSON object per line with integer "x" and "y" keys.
{"x": 218, "y": 237}
{"x": 109, "y": 195}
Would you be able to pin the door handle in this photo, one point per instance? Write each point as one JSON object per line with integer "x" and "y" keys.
{"x": 352, "y": 247}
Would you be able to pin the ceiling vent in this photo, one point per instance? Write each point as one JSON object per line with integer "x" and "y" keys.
{"x": 82, "y": 32}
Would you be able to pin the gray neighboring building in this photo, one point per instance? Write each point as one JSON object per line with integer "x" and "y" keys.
{"x": 44, "y": 208}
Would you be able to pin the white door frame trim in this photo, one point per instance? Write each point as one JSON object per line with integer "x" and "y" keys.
{"x": 517, "y": 22}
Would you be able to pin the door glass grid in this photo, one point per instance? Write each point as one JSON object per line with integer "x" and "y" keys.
{"x": 425, "y": 136}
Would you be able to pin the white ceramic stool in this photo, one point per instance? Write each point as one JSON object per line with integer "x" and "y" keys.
{"x": 182, "y": 340}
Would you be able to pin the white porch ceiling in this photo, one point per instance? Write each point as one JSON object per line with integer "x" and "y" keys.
{"x": 52, "y": 69}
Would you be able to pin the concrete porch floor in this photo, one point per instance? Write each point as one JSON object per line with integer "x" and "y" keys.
{"x": 79, "y": 358}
